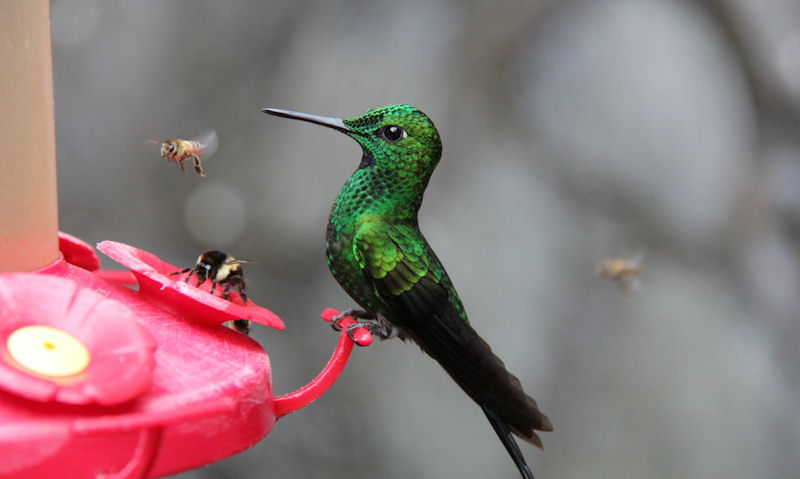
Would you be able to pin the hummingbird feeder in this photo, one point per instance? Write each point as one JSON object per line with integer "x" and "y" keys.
{"x": 99, "y": 379}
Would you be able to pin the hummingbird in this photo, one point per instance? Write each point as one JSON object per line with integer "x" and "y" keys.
{"x": 377, "y": 253}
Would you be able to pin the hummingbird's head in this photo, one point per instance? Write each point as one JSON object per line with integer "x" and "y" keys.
{"x": 401, "y": 147}
{"x": 397, "y": 139}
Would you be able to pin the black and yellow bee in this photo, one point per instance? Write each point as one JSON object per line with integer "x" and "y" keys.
{"x": 224, "y": 270}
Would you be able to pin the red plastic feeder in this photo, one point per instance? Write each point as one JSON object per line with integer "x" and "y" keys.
{"x": 100, "y": 380}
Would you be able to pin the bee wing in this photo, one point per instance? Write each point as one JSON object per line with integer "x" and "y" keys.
{"x": 629, "y": 283}
{"x": 154, "y": 145}
{"x": 209, "y": 142}
{"x": 638, "y": 258}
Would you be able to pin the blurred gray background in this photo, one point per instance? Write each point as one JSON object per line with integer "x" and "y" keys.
{"x": 573, "y": 131}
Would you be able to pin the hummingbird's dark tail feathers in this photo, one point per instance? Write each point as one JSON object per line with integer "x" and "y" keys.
{"x": 469, "y": 360}
{"x": 504, "y": 433}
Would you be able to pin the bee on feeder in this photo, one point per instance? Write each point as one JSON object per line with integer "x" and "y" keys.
{"x": 177, "y": 150}
{"x": 224, "y": 270}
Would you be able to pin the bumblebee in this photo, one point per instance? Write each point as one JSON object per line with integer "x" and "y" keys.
{"x": 625, "y": 271}
{"x": 197, "y": 149}
{"x": 222, "y": 269}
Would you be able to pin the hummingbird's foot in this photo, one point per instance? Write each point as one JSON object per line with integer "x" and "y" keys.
{"x": 353, "y": 313}
{"x": 381, "y": 328}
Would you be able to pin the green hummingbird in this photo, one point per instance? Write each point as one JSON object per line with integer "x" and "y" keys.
{"x": 377, "y": 253}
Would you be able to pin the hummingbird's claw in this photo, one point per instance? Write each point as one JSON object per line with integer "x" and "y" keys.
{"x": 353, "y": 313}
{"x": 357, "y": 334}
{"x": 360, "y": 332}
{"x": 375, "y": 327}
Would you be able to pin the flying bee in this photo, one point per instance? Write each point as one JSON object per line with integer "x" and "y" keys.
{"x": 197, "y": 149}
{"x": 625, "y": 271}
{"x": 222, "y": 269}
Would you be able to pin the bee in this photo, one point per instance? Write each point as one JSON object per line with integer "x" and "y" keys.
{"x": 222, "y": 269}
{"x": 625, "y": 271}
{"x": 197, "y": 149}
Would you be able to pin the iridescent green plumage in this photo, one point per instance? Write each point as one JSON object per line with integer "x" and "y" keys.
{"x": 376, "y": 251}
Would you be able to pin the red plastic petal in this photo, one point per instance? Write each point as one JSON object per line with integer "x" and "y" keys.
{"x": 157, "y": 283}
{"x": 77, "y": 252}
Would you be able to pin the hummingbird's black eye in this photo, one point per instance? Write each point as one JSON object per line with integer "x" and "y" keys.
{"x": 393, "y": 133}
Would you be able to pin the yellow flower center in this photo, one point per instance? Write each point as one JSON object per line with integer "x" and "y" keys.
{"x": 48, "y": 351}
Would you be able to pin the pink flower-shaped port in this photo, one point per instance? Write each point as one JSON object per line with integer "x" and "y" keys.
{"x": 157, "y": 282}
{"x": 63, "y": 342}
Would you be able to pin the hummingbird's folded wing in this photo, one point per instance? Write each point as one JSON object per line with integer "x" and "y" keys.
{"x": 419, "y": 298}
{"x": 400, "y": 270}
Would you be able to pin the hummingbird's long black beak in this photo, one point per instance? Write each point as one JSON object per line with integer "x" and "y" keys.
{"x": 335, "y": 123}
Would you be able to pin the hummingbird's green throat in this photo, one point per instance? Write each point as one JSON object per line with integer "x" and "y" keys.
{"x": 377, "y": 253}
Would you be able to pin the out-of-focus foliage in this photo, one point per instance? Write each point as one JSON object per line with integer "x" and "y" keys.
{"x": 573, "y": 132}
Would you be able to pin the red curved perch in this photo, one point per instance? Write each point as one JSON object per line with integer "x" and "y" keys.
{"x": 304, "y": 396}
